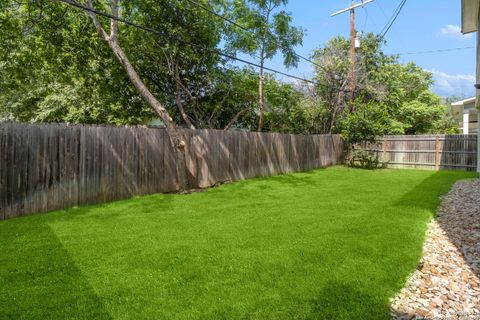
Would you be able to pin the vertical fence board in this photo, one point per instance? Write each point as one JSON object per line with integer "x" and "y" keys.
{"x": 432, "y": 152}
{"x": 3, "y": 170}
{"x": 44, "y": 167}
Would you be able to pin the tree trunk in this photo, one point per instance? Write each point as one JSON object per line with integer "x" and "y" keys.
{"x": 175, "y": 135}
{"x": 261, "y": 100}
{"x": 179, "y": 100}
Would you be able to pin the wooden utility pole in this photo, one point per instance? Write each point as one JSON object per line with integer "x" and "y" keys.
{"x": 353, "y": 56}
{"x": 353, "y": 53}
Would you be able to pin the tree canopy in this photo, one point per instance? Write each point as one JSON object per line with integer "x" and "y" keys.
{"x": 400, "y": 93}
{"x": 54, "y": 67}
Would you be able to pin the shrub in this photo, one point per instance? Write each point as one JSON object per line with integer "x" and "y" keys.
{"x": 359, "y": 158}
{"x": 364, "y": 125}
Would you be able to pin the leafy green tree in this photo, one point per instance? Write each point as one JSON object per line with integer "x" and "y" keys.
{"x": 230, "y": 102}
{"x": 75, "y": 55}
{"x": 268, "y": 31}
{"x": 421, "y": 114}
{"x": 402, "y": 90}
{"x": 56, "y": 68}
{"x": 368, "y": 122}
{"x": 283, "y": 107}
{"x": 50, "y": 57}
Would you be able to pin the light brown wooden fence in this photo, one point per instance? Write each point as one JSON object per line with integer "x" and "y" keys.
{"x": 55, "y": 166}
{"x": 433, "y": 152}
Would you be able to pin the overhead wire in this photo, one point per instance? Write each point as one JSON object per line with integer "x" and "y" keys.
{"x": 434, "y": 51}
{"x": 389, "y": 19}
{"x": 392, "y": 20}
{"x": 198, "y": 4}
{"x": 381, "y": 8}
{"x": 244, "y": 28}
{"x": 218, "y": 52}
{"x": 366, "y": 18}
{"x": 177, "y": 39}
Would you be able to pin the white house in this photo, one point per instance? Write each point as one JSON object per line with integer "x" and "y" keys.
{"x": 466, "y": 115}
{"x": 470, "y": 23}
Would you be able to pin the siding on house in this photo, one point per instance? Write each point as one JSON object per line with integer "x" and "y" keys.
{"x": 464, "y": 112}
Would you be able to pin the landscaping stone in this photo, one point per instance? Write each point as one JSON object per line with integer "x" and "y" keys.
{"x": 446, "y": 284}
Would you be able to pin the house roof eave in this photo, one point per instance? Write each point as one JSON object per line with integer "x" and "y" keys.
{"x": 470, "y": 9}
{"x": 463, "y": 102}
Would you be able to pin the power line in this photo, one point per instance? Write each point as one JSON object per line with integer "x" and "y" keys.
{"x": 381, "y": 9}
{"x": 243, "y": 28}
{"x": 201, "y": 6}
{"x": 366, "y": 18}
{"x": 174, "y": 38}
{"x": 389, "y": 20}
{"x": 378, "y": 2}
{"x": 434, "y": 51}
{"x": 393, "y": 18}
{"x": 214, "y": 51}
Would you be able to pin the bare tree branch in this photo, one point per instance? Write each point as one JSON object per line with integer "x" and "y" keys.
{"x": 235, "y": 119}
{"x": 113, "y": 22}
{"x": 96, "y": 22}
{"x": 175, "y": 73}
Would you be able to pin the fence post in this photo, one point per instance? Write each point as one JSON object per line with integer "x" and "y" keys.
{"x": 437, "y": 153}
{"x": 384, "y": 149}
{"x": 478, "y": 145}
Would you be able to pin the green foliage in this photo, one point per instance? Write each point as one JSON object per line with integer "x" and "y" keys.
{"x": 270, "y": 30}
{"x": 232, "y": 92}
{"x": 446, "y": 125}
{"x": 401, "y": 91}
{"x": 55, "y": 68}
{"x": 365, "y": 124}
{"x": 364, "y": 159}
{"x": 283, "y": 103}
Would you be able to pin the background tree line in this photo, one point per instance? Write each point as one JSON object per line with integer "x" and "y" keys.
{"x": 54, "y": 67}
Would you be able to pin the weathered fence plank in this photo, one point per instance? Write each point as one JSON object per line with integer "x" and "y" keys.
{"x": 44, "y": 167}
{"x": 432, "y": 152}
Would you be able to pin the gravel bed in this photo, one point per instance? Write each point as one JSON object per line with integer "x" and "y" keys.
{"x": 446, "y": 284}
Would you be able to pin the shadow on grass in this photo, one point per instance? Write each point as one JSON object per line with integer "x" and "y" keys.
{"x": 439, "y": 183}
{"x": 343, "y": 301}
{"x": 296, "y": 179}
{"x": 149, "y": 204}
{"x": 52, "y": 286}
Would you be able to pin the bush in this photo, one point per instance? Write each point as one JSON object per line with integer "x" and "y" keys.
{"x": 364, "y": 159}
{"x": 364, "y": 125}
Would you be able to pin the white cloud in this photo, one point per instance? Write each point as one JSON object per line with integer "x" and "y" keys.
{"x": 453, "y": 84}
{"x": 453, "y": 32}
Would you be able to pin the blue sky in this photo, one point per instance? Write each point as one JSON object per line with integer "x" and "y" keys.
{"x": 423, "y": 25}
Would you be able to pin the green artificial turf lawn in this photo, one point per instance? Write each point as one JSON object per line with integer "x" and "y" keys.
{"x": 328, "y": 244}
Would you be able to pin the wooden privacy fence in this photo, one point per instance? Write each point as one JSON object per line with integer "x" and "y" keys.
{"x": 55, "y": 166}
{"x": 433, "y": 152}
